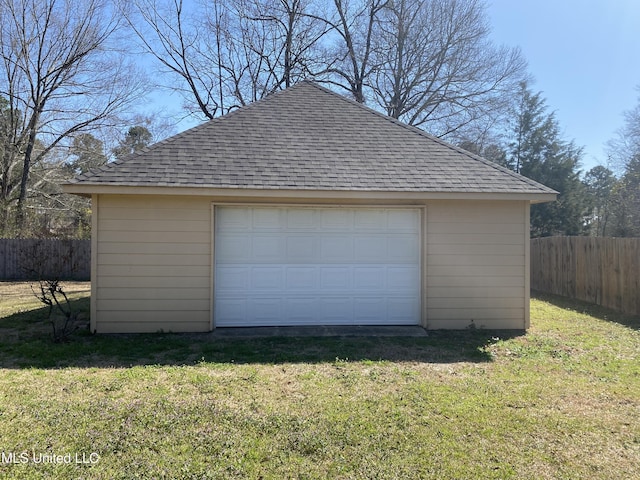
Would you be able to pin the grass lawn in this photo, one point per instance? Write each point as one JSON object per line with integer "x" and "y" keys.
{"x": 562, "y": 401}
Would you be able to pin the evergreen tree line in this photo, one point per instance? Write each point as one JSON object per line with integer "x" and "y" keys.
{"x": 597, "y": 202}
{"x": 67, "y": 84}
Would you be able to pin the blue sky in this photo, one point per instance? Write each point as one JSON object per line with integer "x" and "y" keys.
{"x": 584, "y": 56}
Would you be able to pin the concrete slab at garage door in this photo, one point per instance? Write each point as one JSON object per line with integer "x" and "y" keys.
{"x": 316, "y": 266}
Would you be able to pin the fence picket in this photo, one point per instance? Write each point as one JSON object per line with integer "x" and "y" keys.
{"x": 28, "y": 258}
{"x": 605, "y": 271}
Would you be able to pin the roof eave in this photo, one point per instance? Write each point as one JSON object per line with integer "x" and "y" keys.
{"x": 86, "y": 189}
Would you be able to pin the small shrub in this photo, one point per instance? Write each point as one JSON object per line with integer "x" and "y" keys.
{"x": 61, "y": 316}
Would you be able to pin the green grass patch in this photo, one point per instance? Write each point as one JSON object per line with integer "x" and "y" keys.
{"x": 561, "y": 401}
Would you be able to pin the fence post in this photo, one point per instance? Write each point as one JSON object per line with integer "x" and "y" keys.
{"x": 3, "y": 258}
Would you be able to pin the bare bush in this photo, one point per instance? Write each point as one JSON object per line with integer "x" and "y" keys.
{"x": 64, "y": 320}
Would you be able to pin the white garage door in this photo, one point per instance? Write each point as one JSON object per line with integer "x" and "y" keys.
{"x": 316, "y": 266}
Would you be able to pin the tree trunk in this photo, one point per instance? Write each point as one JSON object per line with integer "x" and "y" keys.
{"x": 26, "y": 168}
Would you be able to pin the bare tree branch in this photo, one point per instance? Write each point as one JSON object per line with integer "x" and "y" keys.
{"x": 61, "y": 75}
{"x": 437, "y": 67}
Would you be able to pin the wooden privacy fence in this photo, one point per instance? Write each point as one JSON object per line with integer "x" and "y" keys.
{"x": 604, "y": 271}
{"x": 31, "y": 258}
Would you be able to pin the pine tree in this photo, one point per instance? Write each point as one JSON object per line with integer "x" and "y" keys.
{"x": 136, "y": 139}
{"x": 87, "y": 153}
{"x": 537, "y": 151}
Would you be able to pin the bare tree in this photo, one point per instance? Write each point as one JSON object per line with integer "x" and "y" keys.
{"x": 10, "y": 161}
{"x": 349, "y": 66}
{"x": 436, "y": 66}
{"x": 429, "y": 63}
{"x": 170, "y": 33}
{"x": 61, "y": 75}
{"x": 624, "y": 147}
{"x": 282, "y": 38}
{"x": 624, "y": 155}
{"x": 228, "y": 53}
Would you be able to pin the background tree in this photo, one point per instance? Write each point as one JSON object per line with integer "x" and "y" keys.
{"x": 10, "y": 162}
{"x": 70, "y": 215}
{"x": 136, "y": 139}
{"x": 349, "y": 64}
{"x": 625, "y": 202}
{"x": 86, "y": 153}
{"x": 537, "y": 151}
{"x": 228, "y": 53}
{"x": 625, "y": 145}
{"x": 73, "y": 212}
{"x": 60, "y": 74}
{"x": 624, "y": 150}
{"x": 493, "y": 151}
{"x": 170, "y": 34}
{"x": 282, "y": 37}
{"x": 429, "y": 63}
{"x": 600, "y": 183}
{"x": 437, "y": 68}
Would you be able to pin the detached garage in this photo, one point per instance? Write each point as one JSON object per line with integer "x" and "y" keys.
{"x": 307, "y": 209}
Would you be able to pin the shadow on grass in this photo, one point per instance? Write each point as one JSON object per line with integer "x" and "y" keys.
{"x": 591, "y": 309}
{"x": 25, "y": 342}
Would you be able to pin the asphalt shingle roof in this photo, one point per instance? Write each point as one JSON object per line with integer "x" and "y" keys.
{"x": 310, "y": 138}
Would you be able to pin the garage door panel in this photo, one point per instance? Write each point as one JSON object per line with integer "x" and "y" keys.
{"x": 232, "y": 248}
{"x": 369, "y": 278}
{"x": 302, "y": 249}
{"x": 336, "y": 248}
{"x": 232, "y": 278}
{"x": 371, "y": 248}
{"x": 367, "y": 308}
{"x": 403, "y": 249}
{"x": 335, "y": 278}
{"x": 231, "y": 311}
{"x": 302, "y": 278}
{"x": 370, "y": 219}
{"x": 402, "y": 309}
{"x": 403, "y": 221}
{"x": 402, "y": 278}
{"x": 267, "y": 278}
{"x": 327, "y": 266}
{"x": 336, "y": 309}
{"x": 267, "y": 219}
{"x": 267, "y": 249}
{"x": 301, "y": 311}
{"x": 233, "y": 219}
{"x": 264, "y": 311}
{"x": 301, "y": 220}
{"x": 336, "y": 219}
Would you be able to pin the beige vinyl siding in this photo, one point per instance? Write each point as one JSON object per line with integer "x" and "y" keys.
{"x": 153, "y": 262}
{"x": 152, "y": 270}
{"x": 476, "y": 264}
